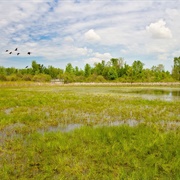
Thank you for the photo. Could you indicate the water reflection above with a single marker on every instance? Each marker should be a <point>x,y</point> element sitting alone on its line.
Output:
<point>159,92</point>
<point>168,95</point>
<point>163,94</point>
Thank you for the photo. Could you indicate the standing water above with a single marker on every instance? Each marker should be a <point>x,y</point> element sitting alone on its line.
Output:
<point>152,93</point>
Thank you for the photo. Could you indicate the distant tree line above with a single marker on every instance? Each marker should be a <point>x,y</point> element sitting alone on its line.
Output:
<point>116,69</point>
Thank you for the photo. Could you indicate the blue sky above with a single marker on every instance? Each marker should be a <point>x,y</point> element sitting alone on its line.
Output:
<point>58,32</point>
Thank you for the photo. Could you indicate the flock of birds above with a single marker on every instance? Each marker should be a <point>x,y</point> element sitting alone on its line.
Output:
<point>10,52</point>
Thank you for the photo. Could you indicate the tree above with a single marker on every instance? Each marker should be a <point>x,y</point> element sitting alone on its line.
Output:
<point>87,70</point>
<point>112,74</point>
<point>137,68</point>
<point>35,67</point>
<point>11,70</point>
<point>76,71</point>
<point>176,69</point>
<point>53,72</point>
<point>147,75</point>
<point>2,70</point>
<point>69,69</point>
<point>121,70</point>
<point>114,62</point>
<point>158,72</point>
<point>130,73</point>
<point>160,68</point>
<point>99,67</point>
<point>117,63</point>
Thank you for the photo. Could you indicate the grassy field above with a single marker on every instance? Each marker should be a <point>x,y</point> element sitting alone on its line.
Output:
<point>87,132</point>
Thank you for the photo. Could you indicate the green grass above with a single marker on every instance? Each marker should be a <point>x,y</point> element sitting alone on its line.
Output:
<point>33,144</point>
<point>120,152</point>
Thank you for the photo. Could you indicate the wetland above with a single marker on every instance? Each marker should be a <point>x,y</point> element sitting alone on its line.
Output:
<point>89,132</point>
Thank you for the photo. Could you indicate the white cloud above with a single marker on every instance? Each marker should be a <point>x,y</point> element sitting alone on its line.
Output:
<point>98,57</point>
<point>64,31</point>
<point>104,56</point>
<point>68,39</point>
<point>163,56</point>
<point>91,35</point>
<point>54,53</point>
<point>158,30</point>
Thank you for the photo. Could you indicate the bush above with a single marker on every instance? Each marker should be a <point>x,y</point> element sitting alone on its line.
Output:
<point>3,77</point>
<point>41,78</point>
<point>100,79</point>
<point>68,78</point>
<point>27,77</point>
<point>12,77</point>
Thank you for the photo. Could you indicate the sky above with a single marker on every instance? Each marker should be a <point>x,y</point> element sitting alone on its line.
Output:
<point>58,32</point>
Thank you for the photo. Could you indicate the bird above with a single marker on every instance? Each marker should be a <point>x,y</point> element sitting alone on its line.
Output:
<point>6,50</point>
<point>26,66</point>
<point>16,49</point>
<point>18,54</point>
<point>29,53</point>
<point>10,53</point>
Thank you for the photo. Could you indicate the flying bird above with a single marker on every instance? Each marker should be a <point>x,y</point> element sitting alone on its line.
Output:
<point>10,53</point>
<point>29,53</point>
<point>6,50</point>
<point>16,49</point>
<point>18,54</point>
<point>26,66</point>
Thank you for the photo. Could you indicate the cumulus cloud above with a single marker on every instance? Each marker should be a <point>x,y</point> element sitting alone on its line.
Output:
<point>68,39</point>
<point>158,30</point>
<point>91,35</point>
<point>98,57</point>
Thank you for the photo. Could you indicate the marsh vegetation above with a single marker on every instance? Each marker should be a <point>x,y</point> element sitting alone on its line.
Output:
<point>89,132</point>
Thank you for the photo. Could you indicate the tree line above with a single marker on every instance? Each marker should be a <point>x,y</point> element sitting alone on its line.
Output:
<point>116,69</point>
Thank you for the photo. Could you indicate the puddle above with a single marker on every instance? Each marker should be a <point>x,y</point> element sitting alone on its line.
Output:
<point>9,110</point>
<point>61,128</point>
<point>163,94</point>
<point>9,132</point>
<point>169,124</point>
<point>130,122</point>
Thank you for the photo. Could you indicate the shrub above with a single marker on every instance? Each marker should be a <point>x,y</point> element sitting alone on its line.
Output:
<point>12,77</point>
<point>27,77</point>
<point>3,77</point>
<point>41,78</point>
<point>100,79</point>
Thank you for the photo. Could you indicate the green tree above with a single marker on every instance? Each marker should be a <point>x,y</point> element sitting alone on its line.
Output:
<point>87,70</point>
<point>11,70</point>
<point>69,69</point>
<point>2,73</point>
<point>117,62</point>
<point>99,67</point>
<point>114,62</point>
<point>78,72</point>
<point>2,70</point>
<point>176,69</point>
<point>35,67</point>
<point>130,74</point>
<point>158,72</point>
<point>112,73</point>
<point>137,68</point>
<point>53,72</point>
<point>147,75</point>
